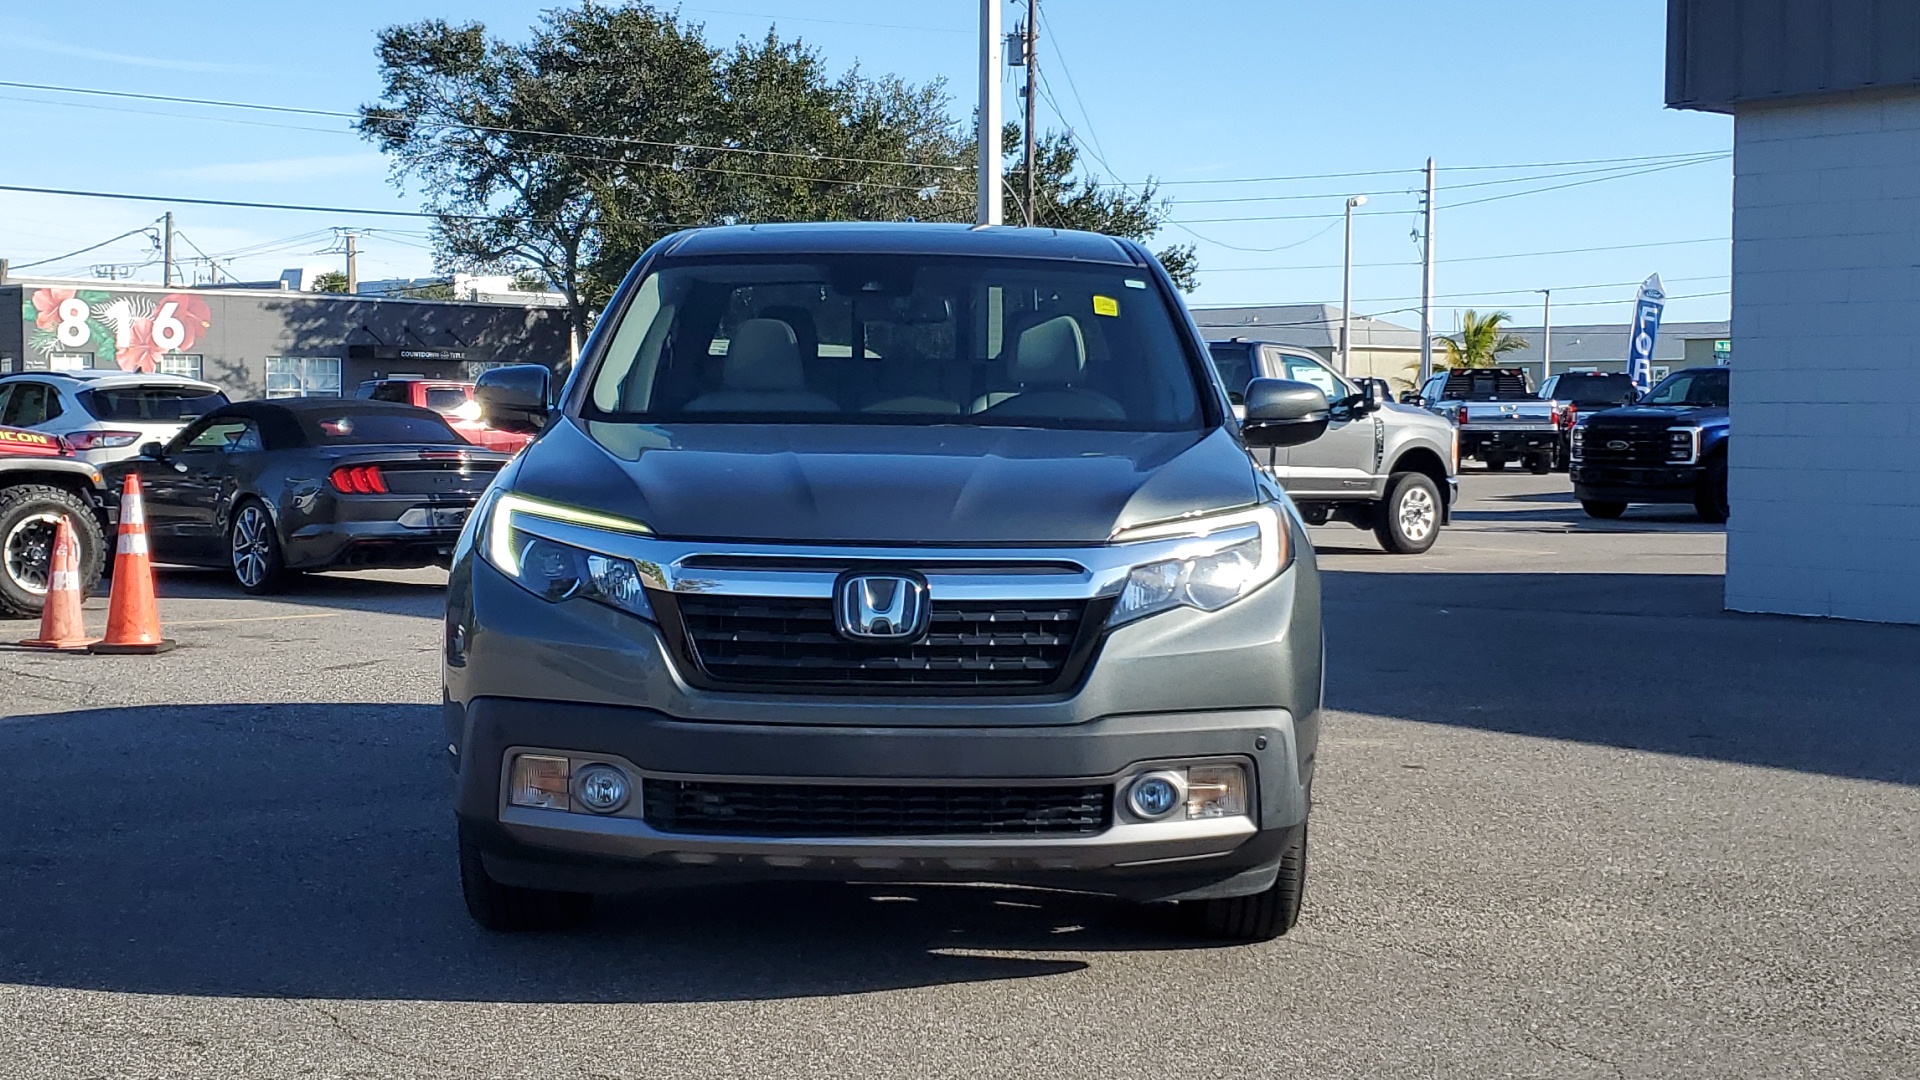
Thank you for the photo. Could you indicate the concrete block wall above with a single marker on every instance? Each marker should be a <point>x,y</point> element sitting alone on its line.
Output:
<point>1824,464</point>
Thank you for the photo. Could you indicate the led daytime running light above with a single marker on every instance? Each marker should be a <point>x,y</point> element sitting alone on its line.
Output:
<point>500,524</point>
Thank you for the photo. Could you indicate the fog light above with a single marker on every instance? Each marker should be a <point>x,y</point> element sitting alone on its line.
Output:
<point>538,781</point>
<point>601,788</point>
<point>1215,791</point>
<point>1157,794</point>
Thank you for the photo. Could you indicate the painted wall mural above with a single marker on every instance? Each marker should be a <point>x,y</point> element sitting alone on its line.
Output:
<point>131,332</point>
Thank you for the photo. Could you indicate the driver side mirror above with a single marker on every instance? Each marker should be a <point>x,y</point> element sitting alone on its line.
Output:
<point>1374,393</point>
<point>1281,412</point>
<point>153,451</point>
<point>514,398</point>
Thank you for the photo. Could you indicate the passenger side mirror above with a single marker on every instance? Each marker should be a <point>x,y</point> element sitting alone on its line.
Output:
<point>153,451</point>
<point>1374,393</point>
<point>514,398</point>
<point>1281,412</point>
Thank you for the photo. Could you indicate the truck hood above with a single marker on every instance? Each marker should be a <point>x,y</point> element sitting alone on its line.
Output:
<point>928,484</point>
<point>1637,415</point>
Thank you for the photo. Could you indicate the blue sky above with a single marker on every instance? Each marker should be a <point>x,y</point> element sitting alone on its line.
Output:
<point>1204,95</point>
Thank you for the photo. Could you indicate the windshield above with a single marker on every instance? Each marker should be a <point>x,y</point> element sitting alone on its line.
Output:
<point>1594,389</point>
<point>859,339</point>
<point>1697,386</point>
<point>151,404</point>
<point>1234,363</point>
<point>349,426</point>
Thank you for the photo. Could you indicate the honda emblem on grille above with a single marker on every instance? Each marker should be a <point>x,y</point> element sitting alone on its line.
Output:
<point>1617,444</point>
<point>881,607</point>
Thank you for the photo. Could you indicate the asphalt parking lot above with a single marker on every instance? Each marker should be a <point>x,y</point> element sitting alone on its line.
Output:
<point>1572,820</point>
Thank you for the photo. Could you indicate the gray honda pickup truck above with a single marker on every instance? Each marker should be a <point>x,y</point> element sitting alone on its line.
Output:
<point>888,552</point>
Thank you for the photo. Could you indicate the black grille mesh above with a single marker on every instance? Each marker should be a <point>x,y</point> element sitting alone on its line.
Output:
<point>1644,446</point>
<point>818,810</point>
<point>768,641</point>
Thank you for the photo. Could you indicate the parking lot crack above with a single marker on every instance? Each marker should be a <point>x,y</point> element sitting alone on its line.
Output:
<point>362,1041</point>
<point>1574,1051</point>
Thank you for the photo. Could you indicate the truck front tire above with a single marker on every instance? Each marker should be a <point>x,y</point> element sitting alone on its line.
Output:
<point>1407,521</point>
<point>1264,915</point>
<point>1710,501</point>
<point>1603,510</point>
<point>510,909</point>
<point>27,514</point>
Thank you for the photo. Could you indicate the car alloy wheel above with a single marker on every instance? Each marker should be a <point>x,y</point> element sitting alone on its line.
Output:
<point>1417,513</point>
<point>28,551</point>
<point>252,546</point>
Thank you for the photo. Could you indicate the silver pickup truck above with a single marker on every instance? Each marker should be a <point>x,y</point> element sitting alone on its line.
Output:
<point>1383,466</point>
<point>1498,415</point>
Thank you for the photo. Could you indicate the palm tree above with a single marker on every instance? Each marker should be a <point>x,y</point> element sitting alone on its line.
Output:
<point>1480,342</point>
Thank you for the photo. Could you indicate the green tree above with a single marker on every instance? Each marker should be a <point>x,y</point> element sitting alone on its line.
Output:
<point>1481,342</point>
<point>333,281</point>
<point>613,125</point>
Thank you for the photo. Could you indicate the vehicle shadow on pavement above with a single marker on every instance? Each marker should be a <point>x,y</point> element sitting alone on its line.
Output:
<point>1640,661</point>
<point>308,851</point>
<point>384,593</point>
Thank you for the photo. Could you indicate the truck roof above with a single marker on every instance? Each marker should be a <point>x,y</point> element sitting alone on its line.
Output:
<point>902,238</point>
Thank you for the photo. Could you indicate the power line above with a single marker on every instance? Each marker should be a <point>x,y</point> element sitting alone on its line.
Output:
<point>499,130</point>
<point>1330,321</point>
<point>327,209</point>
<point>1582,183</point>
<point>147,229</point>
<point>1415,172</point>
<point>1478,258</point>
<point>1410,191</point>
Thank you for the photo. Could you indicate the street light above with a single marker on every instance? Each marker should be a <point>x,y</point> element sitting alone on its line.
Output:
<point>1346,288</point>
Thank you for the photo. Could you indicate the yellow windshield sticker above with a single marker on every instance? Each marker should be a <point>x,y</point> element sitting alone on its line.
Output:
<point>1106,305</point>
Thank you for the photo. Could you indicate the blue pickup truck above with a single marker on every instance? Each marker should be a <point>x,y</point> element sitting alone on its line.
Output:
<point>1669,448</point>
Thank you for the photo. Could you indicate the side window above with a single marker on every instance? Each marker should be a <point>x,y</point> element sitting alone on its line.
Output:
<point>28,405</point>
<point>229,434</point>
<point>1303,370</point>
<point>6,395</point>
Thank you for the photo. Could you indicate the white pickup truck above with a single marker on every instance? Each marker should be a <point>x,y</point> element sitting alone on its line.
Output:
<point>1499,416</point>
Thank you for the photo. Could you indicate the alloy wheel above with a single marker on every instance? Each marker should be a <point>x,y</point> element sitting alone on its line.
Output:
<point>28,551</point>
<point>1417,514</point>
<point>252,546</point>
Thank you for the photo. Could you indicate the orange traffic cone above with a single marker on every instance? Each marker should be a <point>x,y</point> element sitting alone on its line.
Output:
<point>61,625</point>
<point>133,615</point>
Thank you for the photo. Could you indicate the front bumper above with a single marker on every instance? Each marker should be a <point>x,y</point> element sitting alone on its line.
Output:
<point>1139,860</point>
<point>1635,483</point>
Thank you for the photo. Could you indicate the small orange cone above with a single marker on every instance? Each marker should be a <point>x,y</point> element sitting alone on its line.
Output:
<point>61,625</point>
<point>133,615</point>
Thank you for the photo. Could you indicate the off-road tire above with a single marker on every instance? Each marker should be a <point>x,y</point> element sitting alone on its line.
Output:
<point>1540,464</point>
<point>1710,501</point>
<point>509,909</point>
<point>1605,511</point>
<point>1494,464</point>
<point>1264,915</point>
<point>1412,498</point>
<point>23,502</point>
<point>267,575</point>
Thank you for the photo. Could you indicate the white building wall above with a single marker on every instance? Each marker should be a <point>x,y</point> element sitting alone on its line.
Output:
<point>1825,457</point>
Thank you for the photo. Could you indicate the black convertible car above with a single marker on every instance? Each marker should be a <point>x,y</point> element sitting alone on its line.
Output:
<point>268,488</point>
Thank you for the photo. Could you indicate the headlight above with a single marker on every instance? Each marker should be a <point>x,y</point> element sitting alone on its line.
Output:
<point>1683,445</point>
<point>1232,555</point>
<point>557,571</point>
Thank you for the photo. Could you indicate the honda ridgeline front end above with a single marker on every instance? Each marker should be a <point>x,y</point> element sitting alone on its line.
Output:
<point>888,552</point>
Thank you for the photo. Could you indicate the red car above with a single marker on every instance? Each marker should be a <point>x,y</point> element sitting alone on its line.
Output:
<point>451,399</point>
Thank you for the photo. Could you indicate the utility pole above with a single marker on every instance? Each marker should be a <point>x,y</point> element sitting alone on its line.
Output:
<point>991,43</point>
<point>1032,56</point>
<point>1346,289</point>
<point>166,255</point>
<point>1546,334</point>
<point>1426,284</point>
<point>353,263</point>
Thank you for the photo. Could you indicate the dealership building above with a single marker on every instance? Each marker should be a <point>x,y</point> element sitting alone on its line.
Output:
<point>1824,464</point>
<point>267,342</point>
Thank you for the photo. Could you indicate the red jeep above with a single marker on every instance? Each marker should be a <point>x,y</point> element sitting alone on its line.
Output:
<point>451,399</point>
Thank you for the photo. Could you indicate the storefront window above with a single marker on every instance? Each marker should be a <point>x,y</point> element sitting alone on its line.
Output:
<point>303,376</point>
<point>69,361</point>
<point>187,364</point>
